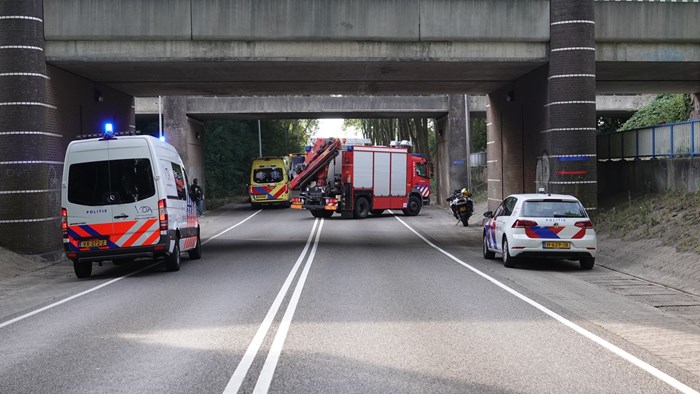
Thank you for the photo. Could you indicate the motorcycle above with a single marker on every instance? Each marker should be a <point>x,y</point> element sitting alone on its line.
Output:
<point>461,205</point>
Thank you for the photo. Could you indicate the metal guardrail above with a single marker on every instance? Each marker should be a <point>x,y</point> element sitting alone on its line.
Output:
<point>662,141</point>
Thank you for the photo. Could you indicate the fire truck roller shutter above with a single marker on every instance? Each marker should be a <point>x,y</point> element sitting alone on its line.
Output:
<point>398,179</point>
<point>382,174</point>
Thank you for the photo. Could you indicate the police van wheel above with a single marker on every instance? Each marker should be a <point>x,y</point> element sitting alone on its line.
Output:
<point>82,269</point>
<point>196,253</point>
<point>172,262</point>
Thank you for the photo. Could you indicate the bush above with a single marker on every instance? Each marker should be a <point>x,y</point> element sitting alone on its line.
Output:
<point>666,108</point>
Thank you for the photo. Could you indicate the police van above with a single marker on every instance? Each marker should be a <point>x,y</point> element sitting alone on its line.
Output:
<point>125,197</point>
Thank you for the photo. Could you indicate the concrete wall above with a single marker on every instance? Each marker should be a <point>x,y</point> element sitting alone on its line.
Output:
<point>452,161</point>
<point>195,151</point>
<point>385,20</point>
<point>645,176</point>
<point>515,118</point>
<point>650,21</point>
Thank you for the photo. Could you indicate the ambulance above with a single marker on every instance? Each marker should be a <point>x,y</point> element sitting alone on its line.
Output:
<point>269,181</point>
<point>125,197</point>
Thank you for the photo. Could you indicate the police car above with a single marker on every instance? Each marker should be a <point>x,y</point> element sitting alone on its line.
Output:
<point>540,226</point>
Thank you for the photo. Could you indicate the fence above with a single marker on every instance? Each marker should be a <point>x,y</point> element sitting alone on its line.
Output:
<point>662,141</point>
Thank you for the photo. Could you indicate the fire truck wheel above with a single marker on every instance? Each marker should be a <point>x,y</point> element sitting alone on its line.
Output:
<point>321,213</point>
<point>414,206</point>
<point>361,208</point>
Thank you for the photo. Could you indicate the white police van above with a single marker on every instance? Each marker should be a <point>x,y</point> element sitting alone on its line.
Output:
<point>124,197</point>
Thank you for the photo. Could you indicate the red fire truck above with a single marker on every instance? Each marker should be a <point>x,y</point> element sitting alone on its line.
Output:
<point>361,180</point>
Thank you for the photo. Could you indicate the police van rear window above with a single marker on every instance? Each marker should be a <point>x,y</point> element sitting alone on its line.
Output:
<point>110,182</point>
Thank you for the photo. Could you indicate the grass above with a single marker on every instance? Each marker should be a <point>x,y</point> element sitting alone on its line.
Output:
<point>673,218</point>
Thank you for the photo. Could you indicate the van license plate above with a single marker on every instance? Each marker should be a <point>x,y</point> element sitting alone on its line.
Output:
<point>261,197</point>
<point>557,245</point>
<point>93,243</point>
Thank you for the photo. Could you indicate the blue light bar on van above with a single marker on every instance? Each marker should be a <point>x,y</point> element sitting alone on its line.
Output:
<point>105,136</point>
<point>308,148</point>
<point>162,138</point>
<point>109,130</point>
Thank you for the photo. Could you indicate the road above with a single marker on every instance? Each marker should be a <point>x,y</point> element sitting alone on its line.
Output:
<point>282,302</point>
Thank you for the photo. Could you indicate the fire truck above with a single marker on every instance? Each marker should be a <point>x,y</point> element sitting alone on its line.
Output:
<point>358,180</point>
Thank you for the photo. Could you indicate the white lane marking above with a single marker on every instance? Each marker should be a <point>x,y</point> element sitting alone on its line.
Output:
<point>600,341</point>
<point>47,307</point>
<point>15,320</point>
<point>265,378</point>
<point>232,227</point>
<point>244,365</point>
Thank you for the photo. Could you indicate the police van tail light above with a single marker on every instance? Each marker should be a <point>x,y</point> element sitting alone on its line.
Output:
<point>64,224</point>
<point>584,224</point>
<point>162,216</point>
<point>524,223</point>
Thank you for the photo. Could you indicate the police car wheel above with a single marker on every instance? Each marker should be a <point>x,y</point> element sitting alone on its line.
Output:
<point>587,263</point>
<point>82,269</point>
<point>172,262</point>
<point>488,255</point>
<point>508,261</point>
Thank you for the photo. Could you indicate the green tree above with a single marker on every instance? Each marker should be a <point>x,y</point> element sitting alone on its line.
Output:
<point>230,146</point>
<point>666,108</point>
<point>383,131</point>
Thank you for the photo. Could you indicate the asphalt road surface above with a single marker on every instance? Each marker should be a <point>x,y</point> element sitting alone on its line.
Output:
<point>286,303</point>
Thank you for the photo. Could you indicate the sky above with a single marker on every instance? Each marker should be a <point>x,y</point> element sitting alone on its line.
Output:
<point>334,128</point>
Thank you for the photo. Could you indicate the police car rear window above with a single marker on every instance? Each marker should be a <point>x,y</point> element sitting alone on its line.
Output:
<point>110,182</point>
<point>553,209</point>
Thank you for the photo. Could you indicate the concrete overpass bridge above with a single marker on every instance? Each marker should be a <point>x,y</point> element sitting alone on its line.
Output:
<point>67,65</point>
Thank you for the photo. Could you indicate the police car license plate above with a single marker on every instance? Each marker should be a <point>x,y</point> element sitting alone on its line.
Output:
<point>556,245</point>
<point>93,243</point>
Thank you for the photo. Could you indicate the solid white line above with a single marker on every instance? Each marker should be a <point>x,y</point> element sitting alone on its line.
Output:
<point>232,227</point>
<point>16,319</point>
<point>7,323</point>
<point>600,341</point>
<point>244,365</point>
<point>265,378</point>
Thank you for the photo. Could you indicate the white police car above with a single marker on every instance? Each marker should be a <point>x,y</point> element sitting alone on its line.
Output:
<point>542,226</point>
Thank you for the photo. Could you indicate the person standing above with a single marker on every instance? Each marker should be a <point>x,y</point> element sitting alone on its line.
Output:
<point>197,196</point>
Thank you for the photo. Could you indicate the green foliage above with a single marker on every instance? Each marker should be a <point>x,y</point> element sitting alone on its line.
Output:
<point>478,134</point>
<point>608,124</point>
<point>230,146</point>
<point>666,108</point>
<point>383,131</point>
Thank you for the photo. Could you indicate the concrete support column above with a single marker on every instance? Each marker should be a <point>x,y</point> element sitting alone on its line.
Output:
<point>32,158</point>
<point>452,162</point>
<point>175,125</point>
<point>515,118</point>
<point>195,151</point>
<point>568,164</point>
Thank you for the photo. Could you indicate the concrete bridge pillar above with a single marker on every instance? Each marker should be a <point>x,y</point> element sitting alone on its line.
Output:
<point>186,134</point>
<point>541,128</point>
<point>31,151</point>
<point>452,161</point>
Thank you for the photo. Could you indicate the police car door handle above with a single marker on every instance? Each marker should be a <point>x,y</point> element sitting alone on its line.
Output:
<point>122,216</point>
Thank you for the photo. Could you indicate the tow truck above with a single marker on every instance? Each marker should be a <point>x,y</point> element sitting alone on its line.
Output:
<point>358,180</point>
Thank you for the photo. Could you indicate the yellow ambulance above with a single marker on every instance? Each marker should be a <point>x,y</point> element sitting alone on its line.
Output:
<point>269,181</point>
